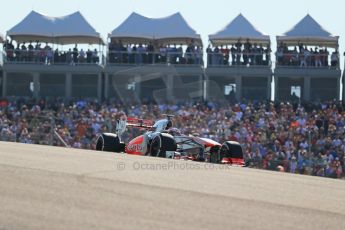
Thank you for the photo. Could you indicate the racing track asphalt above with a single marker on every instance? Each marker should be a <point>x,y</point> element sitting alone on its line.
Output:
<point>45,187</point>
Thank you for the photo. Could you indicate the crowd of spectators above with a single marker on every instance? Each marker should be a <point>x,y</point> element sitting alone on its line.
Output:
<point>35,53</point>
<point>151,53</point>
<point>304,56</point>
<point>296,138</point>
<point>239,54</point>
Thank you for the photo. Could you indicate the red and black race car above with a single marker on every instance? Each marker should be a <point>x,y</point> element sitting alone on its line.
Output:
<point>163,140</point>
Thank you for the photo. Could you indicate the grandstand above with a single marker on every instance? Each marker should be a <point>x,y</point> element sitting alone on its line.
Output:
<point>247,73</point>
<point>146,60</point>
<point>162,59</point>
<point>314,77</point>
<point>51,71</point>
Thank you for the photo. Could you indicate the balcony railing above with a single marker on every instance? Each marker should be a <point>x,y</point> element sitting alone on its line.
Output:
<point>49,57</point>
<point>297,60</point>
<point>238,59</point>
<point>152,58</point>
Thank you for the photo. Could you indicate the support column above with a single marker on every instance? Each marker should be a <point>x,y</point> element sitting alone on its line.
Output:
<point>137,80</point>
<point>4,83</point>
<point>276,85</point>
<point>106,86</point>
<point>68,85</point>
<point>238,82</point>
<point>36,81</point>
<point>201,86</point>
<point>338,89</point>
<point>343,81</point>
<point>269,88</point>
<point>307,88</point>
<point>206,87</point>
<point>99,87</point>
<point>169,87</point>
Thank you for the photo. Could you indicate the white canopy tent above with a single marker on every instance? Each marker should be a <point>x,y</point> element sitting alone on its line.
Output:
<point>168,30</point>
<point>239,29</point>
<point>308,32</point>
<point>69,29</point>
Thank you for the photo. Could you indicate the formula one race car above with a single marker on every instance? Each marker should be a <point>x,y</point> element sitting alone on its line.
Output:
<point>162,140</point>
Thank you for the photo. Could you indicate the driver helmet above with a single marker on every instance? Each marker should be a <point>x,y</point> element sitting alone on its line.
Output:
<point>121,116</point>
<point>169,124</point>
<point>174,132</point>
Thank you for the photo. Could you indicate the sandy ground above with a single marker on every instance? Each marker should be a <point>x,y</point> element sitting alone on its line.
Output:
<point>45,187</point>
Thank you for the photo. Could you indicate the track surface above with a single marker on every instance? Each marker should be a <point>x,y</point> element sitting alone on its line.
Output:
<point>57,188</point>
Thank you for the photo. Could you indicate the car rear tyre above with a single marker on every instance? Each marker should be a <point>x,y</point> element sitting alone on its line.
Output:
<point>214,154</point>
<point>109,142</point>
<point>162,143</point>
<point>231,149</point>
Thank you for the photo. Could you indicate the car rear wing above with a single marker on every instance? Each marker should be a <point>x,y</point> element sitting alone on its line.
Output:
<point>139,123</point>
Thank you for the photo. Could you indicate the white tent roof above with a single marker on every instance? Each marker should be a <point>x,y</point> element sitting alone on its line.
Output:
<point>308,32</point>
<point>172,29</point>
<point>239,28</point>
<point>68,29</point>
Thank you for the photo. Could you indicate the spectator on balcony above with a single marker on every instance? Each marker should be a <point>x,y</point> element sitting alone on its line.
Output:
<point>121,50</point>
<point>42,55</point>
<point>133,54</point>
<point>95,57</point>
<point>57,58</point>
<point>253,55</point>
<point>198,56</point>
<point>238,46</point>
<point>136,54</point>
<point>233,55</point>
<point>9,47</point>
<point>209,54</point>
<point>169,54</point>
<point>246,54</point>
<point>23,53</point>
<point>140,54</point>
<point>174,55</point>
<point>81,56</point>
<point>180,54</point>
<point>30,52</point>
<point>88,56</point>
<point>311,57</point>
<point>4,46</point>
<point>49,53</point>
<point>150,50</point>
<point>223,51</point>
<point>326,54</point>
<point>280,54</point>
<point>317,58</point>
<point>69,56</point>
<point>259,55</point>
<point>75,54</point>
<point>127,57</point>
<point>112,51</point>
<point>303,58</point>
<point>238,54</point>
<point>294,57</point>
<point>247,44</point>
<point>17,53</point>
<point>334,58</point>
<point>163,53</point>
<point>267,55</point>
<point>215,56</point>
<point>36,51</point>
<point>189,53</point>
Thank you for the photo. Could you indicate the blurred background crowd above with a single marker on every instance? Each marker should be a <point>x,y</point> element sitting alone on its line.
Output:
<point>296,138</point>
